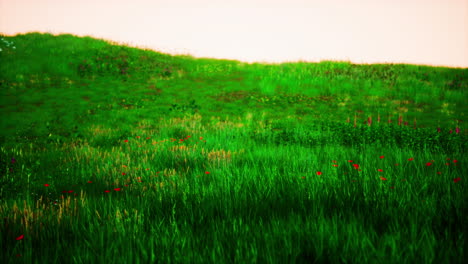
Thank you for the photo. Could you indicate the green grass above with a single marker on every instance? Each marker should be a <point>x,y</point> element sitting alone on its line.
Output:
<point>113,154</point>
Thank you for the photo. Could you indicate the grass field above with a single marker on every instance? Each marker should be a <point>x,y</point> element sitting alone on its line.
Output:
<point>114,154</point>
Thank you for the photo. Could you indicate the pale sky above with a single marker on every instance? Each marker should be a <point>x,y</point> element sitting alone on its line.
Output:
<point>426,32</point>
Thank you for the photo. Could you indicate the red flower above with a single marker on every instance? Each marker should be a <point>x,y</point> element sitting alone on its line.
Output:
<point>106,191</point>
<point>381,157</point>
<point>207,172</point>
<point>383,179</point>
<point>46,185</point>
<point>350,161</point>
<point>20,237</point>
<point>456,180</point>
<point>410,159</point>
<point>380,170</point>
<point>319,173</point>
<point>126,140</point>
<point>356,166</point>
<point>428,164</point>
<point>117,189</point>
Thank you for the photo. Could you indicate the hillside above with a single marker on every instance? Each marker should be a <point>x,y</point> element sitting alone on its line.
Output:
<point>113,154</point>
<point>50,84</point>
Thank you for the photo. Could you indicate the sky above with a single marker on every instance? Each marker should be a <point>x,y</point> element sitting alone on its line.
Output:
<point>423,32</point>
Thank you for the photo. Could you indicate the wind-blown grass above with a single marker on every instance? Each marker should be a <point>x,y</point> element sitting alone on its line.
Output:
<point>119,155</point>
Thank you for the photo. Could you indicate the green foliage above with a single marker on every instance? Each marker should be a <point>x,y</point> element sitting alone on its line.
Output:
<point>267,165</point>
<point>108,62</point>
<point>190,107</point>
<point>459,82</point>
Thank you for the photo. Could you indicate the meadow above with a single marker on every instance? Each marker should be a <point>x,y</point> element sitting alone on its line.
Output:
<point>117,154</point>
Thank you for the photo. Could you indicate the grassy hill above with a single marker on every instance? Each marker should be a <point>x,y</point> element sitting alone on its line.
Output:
<point>67,81</point>
<point>292,161</point>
